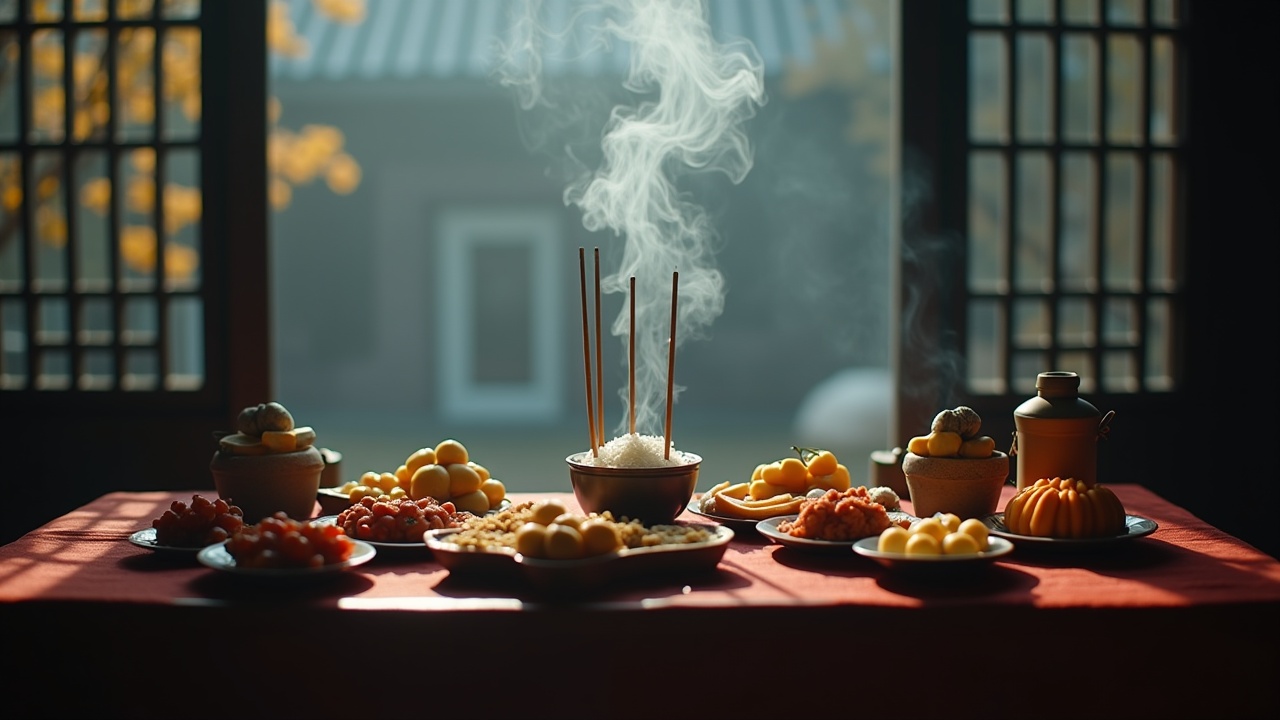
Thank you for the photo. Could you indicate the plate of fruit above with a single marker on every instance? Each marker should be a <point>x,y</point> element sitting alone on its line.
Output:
<point>1067,514</point>
<point>443,472</point>
<point>778,489</point>
<point>396,525</point>
<point>279,547</point>
<point>187,528</point>
<point>939,543</point>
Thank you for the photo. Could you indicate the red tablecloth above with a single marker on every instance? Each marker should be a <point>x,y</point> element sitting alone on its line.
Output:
<point>1188,604</point>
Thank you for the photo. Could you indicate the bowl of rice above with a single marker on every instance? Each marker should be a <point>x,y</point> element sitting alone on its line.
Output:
<point>632,477</point>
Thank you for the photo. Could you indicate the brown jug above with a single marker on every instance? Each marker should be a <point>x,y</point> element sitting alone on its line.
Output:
<point>1056,433</point>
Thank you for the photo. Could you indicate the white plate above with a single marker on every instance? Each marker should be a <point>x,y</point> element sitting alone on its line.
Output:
<point>741,524</point>
<point>385,547</point>
<point>997,547</point>
<point>769,529</point>
<point>333,501</point>
<point>146,538</point>
<point>1134,527</point>
<point>217,557</point>
<point>681,560</point>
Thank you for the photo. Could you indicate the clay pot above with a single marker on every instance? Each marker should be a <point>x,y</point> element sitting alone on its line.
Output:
<point>262,485</point>
<point>967,487</point>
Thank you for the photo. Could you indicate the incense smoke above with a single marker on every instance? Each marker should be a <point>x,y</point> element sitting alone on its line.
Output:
<point>687,99</point>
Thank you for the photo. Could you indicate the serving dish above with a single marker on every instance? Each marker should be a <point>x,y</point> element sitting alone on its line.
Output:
<point>660,561</point>
<point>415,547</point>
<point>769,529</point>
<point>146,538</point>
<point>334,501</point>
<point>739,524</point>
<point>898,517</point>
<point>217,557</point>
<point>901,562</point>
<point>1135,527</point>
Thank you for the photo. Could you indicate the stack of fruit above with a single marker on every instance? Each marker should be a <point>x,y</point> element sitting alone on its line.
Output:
<point>778,487</point>
<point>266,428</point>
<point>441,473</point>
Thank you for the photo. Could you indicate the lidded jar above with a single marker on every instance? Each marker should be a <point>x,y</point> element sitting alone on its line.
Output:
<point>1056,433</point>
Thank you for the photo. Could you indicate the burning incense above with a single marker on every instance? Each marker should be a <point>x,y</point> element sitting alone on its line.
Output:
<point>671,366</point>
<point>631,363</point>
<point>586,349</point>
<point>599,362</point>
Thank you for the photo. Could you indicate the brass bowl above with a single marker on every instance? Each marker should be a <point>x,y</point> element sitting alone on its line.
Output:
<point>652,495</point>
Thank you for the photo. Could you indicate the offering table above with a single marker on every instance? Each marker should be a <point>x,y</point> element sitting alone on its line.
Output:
<point>1177,624</point>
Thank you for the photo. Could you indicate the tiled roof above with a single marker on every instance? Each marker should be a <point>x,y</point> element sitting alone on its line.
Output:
<point>407,39</point>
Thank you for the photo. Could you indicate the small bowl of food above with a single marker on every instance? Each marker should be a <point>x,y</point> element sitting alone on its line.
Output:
<point>964,487</point>
<point>954,468</point>
<point>631,477</point>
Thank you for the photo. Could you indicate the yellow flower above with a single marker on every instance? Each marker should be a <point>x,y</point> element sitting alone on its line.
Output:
<point>180,262</point>
<point>47,187</point>
<point>95,194</point>
<point>343,175</point>
<point>346,11</point>
<point>138,247</point>
<point>11,198</point>
<point>323,140</point>
<point>282,36</point>
<point>280,193</point>
<point>143,160</point>
<point>140,194</point>
<point>182,206</point>
<point>51,226</point>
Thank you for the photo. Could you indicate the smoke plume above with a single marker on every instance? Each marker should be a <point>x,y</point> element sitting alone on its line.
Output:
<point>687,98</point>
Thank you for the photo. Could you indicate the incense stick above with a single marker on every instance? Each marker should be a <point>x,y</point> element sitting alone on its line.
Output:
<point>599,362</point>
<point>631,363</point>
<point>586,348</point>
<point>671,366</point>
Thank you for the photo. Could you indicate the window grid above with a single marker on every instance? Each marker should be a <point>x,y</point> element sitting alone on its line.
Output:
<point>113,355</point>
<point>1119,362</point>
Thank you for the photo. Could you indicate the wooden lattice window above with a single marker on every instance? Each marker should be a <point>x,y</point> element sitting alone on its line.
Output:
<point>1074,165</point>
<point>102,264</point>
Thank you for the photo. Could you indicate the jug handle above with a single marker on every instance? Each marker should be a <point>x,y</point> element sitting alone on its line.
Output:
<point>1104,427</point>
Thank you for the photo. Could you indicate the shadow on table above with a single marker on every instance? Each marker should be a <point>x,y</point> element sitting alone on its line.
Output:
<point>949,582</point>
<point>657,586</point>
<point>272,589</point>
<point>982,582</point>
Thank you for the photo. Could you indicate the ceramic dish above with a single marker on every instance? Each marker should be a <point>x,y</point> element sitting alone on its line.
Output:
<point>739,524</point>
<point>413,547</point>
<point>769,529</point>
<point>147,539</point>
<point>900,562</point>
<point>333,501</point>
<point>898,517</point>
<point>217,557</point>
<point>1135,527</point>
<point>680,561</point>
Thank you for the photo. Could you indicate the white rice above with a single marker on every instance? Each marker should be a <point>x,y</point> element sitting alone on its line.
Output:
<point>634,451</point>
